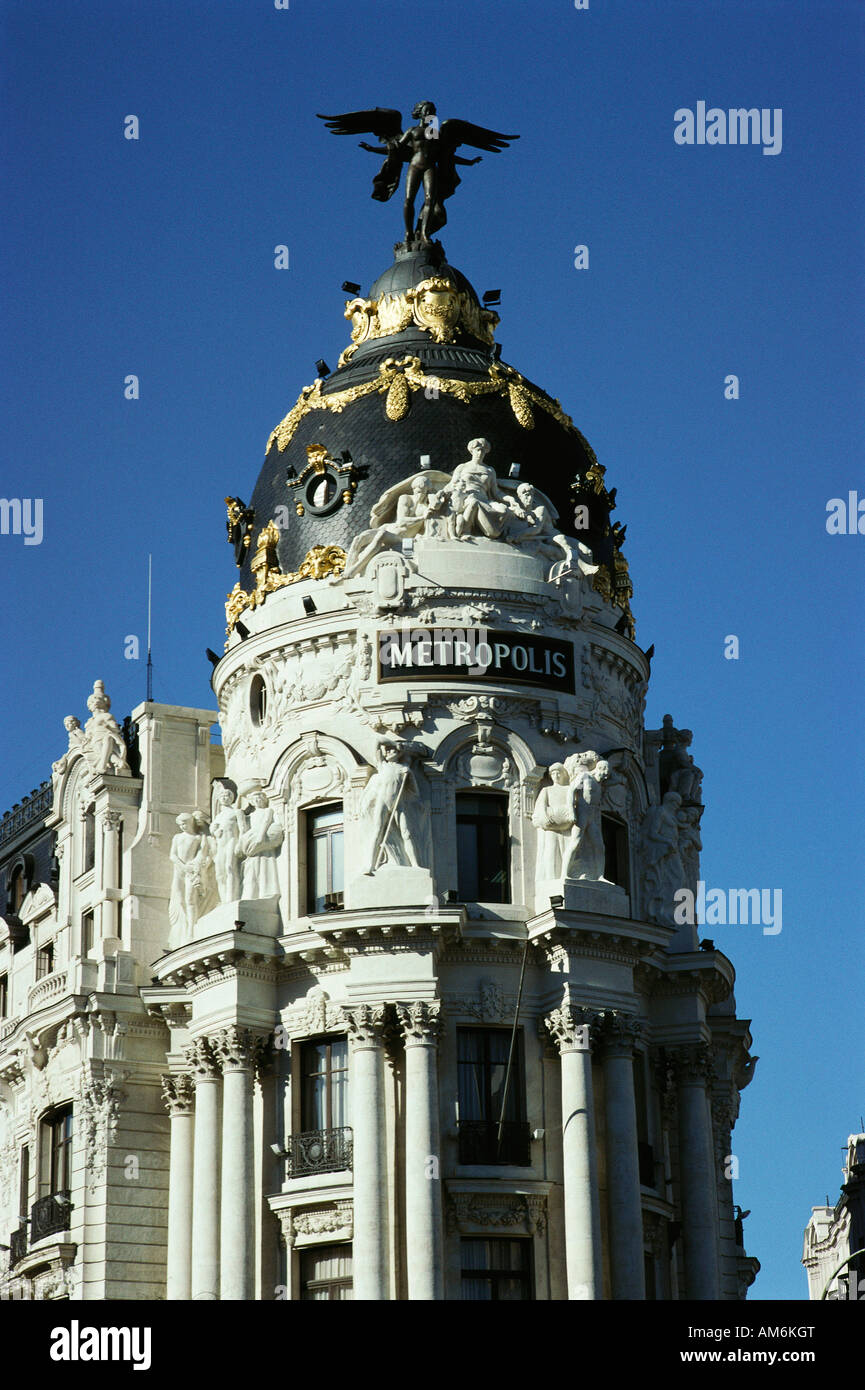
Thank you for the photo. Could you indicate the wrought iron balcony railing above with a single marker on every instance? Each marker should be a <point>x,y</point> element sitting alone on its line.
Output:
<point>479,1142</point>
<point>319,1151</point>
<point>17,1246</point>
<point>49,1215</point>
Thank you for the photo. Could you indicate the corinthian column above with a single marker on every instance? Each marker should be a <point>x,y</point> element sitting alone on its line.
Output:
<point>423,1203</point>
<point>205,1178</point>
<point>623,1166</point>
<point>693,1069</point>
<point>234,1049</point>
<point>366,1026</point>
<point>178,1092</point>
<point>570,1029</point>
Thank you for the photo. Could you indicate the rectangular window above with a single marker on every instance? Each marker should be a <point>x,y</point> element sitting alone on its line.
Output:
<point>325,1273</point>
<point>483,848</point>
<point>324,858</point>
<point>482,1058</point>
<point>87,933</point>
<point>45,960</point>
<point>4,996</point>
<point>24,1182</point>
<point>616,865</point>
<point>57,1139</point>
<point>324,1098</point>
<point>495,1270</point>
<point>89,847</point>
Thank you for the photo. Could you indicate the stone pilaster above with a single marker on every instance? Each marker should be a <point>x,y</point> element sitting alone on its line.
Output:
<point>205,1178</point>
<point>619,1035</point>
<point>693,1072</point>
<point>366,1025</point>
<point>571,1030</point>
<point>178,1092</point>
<point>235,1050</point>
<point>420,1024</point>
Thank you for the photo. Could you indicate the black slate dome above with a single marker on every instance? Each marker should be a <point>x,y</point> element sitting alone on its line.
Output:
<point>421,378</point>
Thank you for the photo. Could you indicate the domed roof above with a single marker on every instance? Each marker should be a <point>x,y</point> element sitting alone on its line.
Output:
<point>421,377</point>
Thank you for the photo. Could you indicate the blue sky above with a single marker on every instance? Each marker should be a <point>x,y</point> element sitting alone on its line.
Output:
<point>155,257</point>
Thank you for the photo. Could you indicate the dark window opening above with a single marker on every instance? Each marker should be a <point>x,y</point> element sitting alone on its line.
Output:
<point>4,996</point>
<point>483,847</point>
<point>87,933</point>
<point>89,839</point>
<point>324,858</point>
<point>496,1270</point>
<point>482,1058</point>
<point>616,865</point>
<point>45,960</point>
<point>258,700</point>
<point>57,1151</point>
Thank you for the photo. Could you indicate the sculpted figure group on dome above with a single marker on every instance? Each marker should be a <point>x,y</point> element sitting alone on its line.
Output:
<point>469,503</point>
<point>232,856</point>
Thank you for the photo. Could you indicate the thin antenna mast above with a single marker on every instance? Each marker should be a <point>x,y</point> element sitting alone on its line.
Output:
<point>149,658</point>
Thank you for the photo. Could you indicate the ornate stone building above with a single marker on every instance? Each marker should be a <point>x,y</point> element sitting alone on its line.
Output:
<point>835,1234</point>
<point>391,995</point>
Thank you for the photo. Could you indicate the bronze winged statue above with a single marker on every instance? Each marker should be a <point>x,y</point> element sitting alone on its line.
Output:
<point>430,150</point>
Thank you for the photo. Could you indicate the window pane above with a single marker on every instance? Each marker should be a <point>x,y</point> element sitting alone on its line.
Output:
<point>331,816</point>
<point>318,886</point>
<point>467,862</point>
<point>337,880</point>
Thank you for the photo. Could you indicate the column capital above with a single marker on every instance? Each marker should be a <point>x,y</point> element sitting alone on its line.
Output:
<point>201,1061</point>
<point>236,1049</point>
<point>367,1024</point>
<point>692,1064</point>
<point>178,1093</point>
<point>572,1028</point>
<point>420,1021</point>
<point>619,1034</point>
<point>111,820</point>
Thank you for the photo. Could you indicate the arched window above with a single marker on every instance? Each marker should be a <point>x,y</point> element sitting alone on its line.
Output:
<point>258,701</point>
<point>17,891</point>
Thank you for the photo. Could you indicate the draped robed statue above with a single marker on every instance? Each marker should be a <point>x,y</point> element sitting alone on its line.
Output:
<point>430,150</point>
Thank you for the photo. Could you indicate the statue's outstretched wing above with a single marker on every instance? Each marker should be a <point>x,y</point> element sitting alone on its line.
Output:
<point>386,125</point>
<point>382,122</point>
<point>454,133</point>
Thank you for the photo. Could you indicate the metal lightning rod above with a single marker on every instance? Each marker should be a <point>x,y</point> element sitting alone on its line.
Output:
<point>149,658</point>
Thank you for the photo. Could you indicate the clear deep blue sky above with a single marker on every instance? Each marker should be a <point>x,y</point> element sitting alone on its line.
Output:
<point>155,257</point>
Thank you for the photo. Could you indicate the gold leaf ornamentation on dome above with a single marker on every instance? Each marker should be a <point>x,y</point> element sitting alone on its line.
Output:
<point>500,380</point>
<point>521,406</point>
<point>318,563</point>
<point>397,403</point>
<point>435,305</point>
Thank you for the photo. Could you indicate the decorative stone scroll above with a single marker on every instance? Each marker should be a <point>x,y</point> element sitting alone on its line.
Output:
<point>517,1213</point>
<point>309,1225</point>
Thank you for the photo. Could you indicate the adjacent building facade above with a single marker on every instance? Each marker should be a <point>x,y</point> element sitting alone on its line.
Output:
<point>834,1234</point>
<point>391,994</point>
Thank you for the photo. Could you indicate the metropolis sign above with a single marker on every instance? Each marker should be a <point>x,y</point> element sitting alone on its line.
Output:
<point>443,653</point>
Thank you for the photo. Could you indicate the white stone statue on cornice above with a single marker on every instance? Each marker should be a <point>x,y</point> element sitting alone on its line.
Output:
<point>477,505</point>
<point>187,902</point>
<point>384,810</point>
<point>554,818</point>
<point>260,846</point>
<point>105,750</point>
<point>226,829</point>
<point>585,857</point>
<point>77,744</point>
<point>665,872</point>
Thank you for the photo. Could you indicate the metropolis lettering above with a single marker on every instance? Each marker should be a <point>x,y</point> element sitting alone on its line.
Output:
<point>477,653</point>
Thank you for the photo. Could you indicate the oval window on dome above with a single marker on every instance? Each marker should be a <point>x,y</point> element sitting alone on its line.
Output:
<point>323,493</point>
<point>258,701</point>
